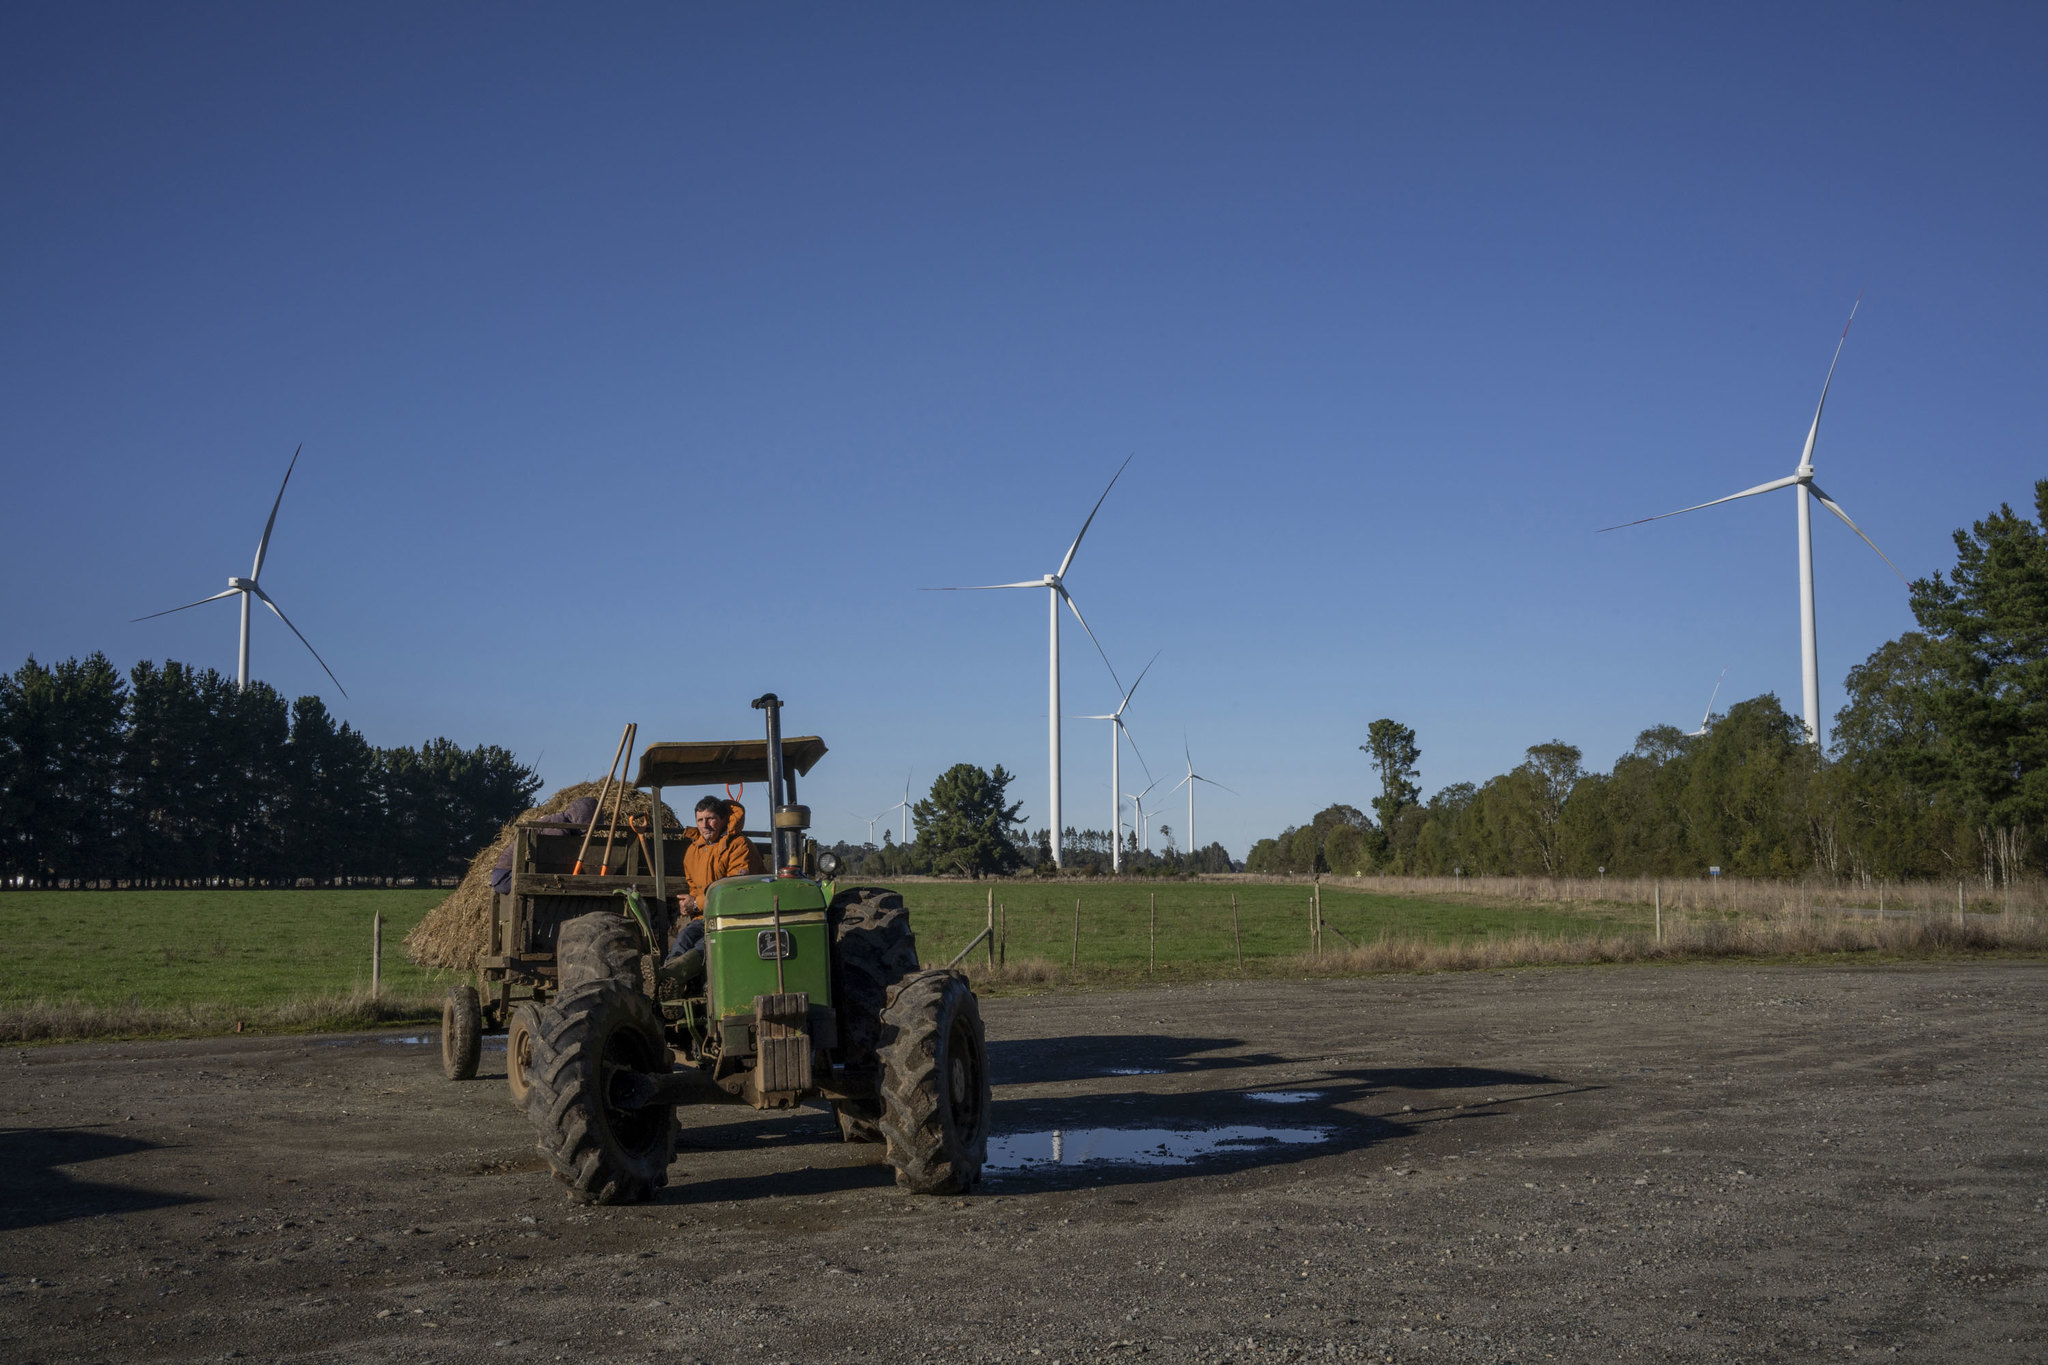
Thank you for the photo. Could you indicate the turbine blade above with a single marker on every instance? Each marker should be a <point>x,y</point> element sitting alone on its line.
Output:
<point>1068,598</point>
<point>1770,487</point>
<point>1134,747</point>
<point>264,597</point>
<point>1134,686</point>
<point>989,587</point>
<point>1813,432</point>
<point>263,545</point>
<point>1091,515</point>
<point>1833,506</point>
<point>187,607</point>
<point>1212,782</point>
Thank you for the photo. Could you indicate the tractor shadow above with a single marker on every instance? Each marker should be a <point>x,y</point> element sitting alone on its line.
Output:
<point>1129,1131</point>
<point>38,1190</point>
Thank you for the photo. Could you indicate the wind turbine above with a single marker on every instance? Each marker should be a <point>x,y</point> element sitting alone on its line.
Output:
<point>872,821</point>
<point>249,588</point>
<point>1139,802</point>
<point>1189,782</point>
<point>1117,729</point>
<point>1801,479</point>
<point>1056,586</point>
<point>1708,718</point>
<point>903,836</point>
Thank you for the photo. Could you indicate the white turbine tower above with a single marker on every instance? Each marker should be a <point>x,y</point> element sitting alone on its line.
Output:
<point>1189,782</point>
<point>1119,733</point>
<point>249,588</point>
<point>1801,479</point>
<point>872,821</point>
<point>1708,718</point>
<point>1056,586</point>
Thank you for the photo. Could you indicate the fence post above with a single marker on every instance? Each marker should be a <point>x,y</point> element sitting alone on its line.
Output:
<point>377,955</point>
<point>1959,905</point>
<point>991,926</point>
<point>1152,936</point>
<point>1657,896</point>
<point>1003,942</point>
<point>1074,959</point>
<point>1236,937</point>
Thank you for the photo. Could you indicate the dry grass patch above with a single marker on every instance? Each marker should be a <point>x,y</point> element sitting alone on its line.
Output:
<point>60,1021</point>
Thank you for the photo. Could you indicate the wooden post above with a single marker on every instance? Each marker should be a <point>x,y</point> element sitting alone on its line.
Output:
<point>377,955</point>
<point>1003,943</point>
<point>1657,895</point>
<point>1959,905</point>
<point>1152,936</point>
<point>991,926</point>
<point>1236,936</point>
<point>1074,959</point>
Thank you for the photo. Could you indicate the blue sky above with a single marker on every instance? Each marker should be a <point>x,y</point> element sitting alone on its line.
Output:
<point>649,358</point>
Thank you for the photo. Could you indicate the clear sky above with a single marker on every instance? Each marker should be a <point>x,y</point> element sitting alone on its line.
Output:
<point>648,358</point>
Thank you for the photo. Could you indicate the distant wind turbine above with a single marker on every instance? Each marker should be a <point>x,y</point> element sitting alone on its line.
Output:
<point>872,820</point>
<point>1707,719</point>
<point>903,836</point>
<point>1189,782</point>
<point>1138,801</point>
<point>1056,585</point>
<point>1801,479</point>
<point>1119,734</point>
<point>249,588</point>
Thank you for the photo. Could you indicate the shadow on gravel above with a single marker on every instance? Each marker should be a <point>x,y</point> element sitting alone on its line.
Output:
<point>1036,1061</point>
<point>36,1192</point>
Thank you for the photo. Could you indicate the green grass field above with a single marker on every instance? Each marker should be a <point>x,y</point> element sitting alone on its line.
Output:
<point>1194,924</point>
<point>152,950</point>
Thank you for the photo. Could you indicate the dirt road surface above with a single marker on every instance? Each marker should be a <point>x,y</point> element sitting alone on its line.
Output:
<point>1722,1163</point>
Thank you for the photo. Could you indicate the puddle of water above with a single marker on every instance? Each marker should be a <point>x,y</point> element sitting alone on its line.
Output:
<point>413,1041</point>
<point>1284,1096</point>
<point>1138,1146</point>
<point>1135,1071</point>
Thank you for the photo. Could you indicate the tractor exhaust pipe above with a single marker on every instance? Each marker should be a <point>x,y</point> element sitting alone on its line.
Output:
<point>786,819</point>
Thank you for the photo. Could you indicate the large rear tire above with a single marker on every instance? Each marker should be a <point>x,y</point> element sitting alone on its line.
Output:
<point>604,946</point>
<point>872,950</point>
<point>462,1033</point>
<point>935,1086</point>
<point>587,1037</point>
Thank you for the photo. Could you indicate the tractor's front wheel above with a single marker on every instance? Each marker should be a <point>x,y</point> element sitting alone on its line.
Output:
<point>462,1033</point>
<point>589,1042</point>
<point>935,1087</point>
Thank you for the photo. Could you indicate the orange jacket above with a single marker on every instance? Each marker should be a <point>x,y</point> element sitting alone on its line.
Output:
<point>732,856</point>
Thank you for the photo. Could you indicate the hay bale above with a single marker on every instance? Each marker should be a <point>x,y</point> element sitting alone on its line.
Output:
<point>455,933</point>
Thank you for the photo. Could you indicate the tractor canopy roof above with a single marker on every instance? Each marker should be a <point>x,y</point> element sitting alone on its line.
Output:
<point>703,763</point>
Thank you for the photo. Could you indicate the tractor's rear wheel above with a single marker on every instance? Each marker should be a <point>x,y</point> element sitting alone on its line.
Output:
<point>519,1051</point>
<point>872,950</point>
<point>859,1120</point>
<point>603,946</point>
<point>589,1039</point>
<point>462,1033</point>
<point>935,1087</point>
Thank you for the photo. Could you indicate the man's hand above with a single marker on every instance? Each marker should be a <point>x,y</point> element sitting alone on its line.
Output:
<point>686,905</point>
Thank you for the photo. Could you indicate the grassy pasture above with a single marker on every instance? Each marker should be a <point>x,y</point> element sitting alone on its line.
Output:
<point>1194,925</point>
<point>182,961</point>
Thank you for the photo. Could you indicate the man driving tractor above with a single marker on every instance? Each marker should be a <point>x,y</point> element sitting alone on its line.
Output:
<point>714,849</point>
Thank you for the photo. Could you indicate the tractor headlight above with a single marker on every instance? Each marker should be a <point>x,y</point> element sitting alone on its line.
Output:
<point>828,865</point>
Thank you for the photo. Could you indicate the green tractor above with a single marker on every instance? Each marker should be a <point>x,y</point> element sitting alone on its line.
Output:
<point>807,991</point>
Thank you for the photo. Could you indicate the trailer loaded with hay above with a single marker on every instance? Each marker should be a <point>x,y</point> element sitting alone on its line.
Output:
<point>803,991</point>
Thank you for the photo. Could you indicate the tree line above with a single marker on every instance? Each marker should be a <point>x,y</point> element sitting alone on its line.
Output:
<point>967,827</point>
<point>1938,766</point>
<point>172,776</point>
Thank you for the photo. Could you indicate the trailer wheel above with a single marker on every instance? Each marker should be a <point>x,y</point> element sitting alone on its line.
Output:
<point>586,1037</point>
<point>603,946</point>
<point>519,1051</point>
<point>462,1033</point>
<point>935,1087</point>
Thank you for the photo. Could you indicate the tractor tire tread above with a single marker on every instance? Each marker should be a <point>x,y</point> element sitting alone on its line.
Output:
<point>563,1100</point>
<point>930,1154</point>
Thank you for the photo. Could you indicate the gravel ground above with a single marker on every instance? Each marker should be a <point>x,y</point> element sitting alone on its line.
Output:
<point>1714,1163</point>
